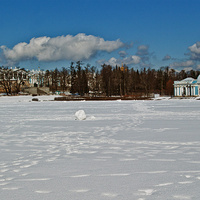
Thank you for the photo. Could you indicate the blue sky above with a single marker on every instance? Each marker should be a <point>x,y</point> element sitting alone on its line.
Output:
<point>139,33</point>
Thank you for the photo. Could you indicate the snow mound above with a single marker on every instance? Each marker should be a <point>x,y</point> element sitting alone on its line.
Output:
<point>91,118</point>
<point>80,115</point>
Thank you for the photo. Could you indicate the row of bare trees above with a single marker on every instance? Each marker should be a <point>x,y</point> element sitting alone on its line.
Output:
<point>120,81</point>
<point>109,81</point>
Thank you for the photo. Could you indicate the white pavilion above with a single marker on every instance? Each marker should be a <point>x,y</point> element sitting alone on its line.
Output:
<point>187,87</point>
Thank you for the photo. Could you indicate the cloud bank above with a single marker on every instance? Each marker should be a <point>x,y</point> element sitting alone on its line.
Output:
<point>187,63</point>
<point>130,60</point>
<point>195,51</point>
<point>74,48</point>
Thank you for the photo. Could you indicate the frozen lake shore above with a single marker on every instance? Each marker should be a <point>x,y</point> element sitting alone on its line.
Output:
<point>123,150</point>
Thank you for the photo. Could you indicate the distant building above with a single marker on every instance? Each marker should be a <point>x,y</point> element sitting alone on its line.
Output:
<point>15,80</point>
<point>187,87</point>
<point>15,74</point>
<point>37,83</point>
<point>36,78</point>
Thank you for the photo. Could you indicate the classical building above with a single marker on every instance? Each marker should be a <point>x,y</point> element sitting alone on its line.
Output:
<point>187,87</point>
<point>37,82</point>
<point>15,74</point>
<point>36,78</point>
<point>15,80</point>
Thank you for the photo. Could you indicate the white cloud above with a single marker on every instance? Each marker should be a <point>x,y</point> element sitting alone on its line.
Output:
<point>187,69</point>
<point>78,47</point>
<point>122,53</point>
<point>113,61</point>
<point>195,51</point>
<point>142,50</point>
<point>131,60</point>
<point>187,63</point>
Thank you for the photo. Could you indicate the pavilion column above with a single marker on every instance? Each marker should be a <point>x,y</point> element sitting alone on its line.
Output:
<point>186,91</point>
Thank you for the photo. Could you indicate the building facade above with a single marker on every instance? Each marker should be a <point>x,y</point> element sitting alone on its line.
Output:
<point>187,87</point>
<point>36,78</point>
<point>15,80</point>
<point>15,74</point>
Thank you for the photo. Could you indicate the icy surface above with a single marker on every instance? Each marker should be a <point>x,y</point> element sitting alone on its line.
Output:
<point>124,150</point>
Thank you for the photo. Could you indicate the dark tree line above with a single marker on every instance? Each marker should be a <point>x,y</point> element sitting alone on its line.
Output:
<point>110,81</point>
<point>118,81</point>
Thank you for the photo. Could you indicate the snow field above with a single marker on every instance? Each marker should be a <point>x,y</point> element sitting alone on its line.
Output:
<point>123,150</point>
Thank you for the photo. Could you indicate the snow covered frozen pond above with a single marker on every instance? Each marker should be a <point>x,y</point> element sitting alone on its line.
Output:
<point>124,150</point>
